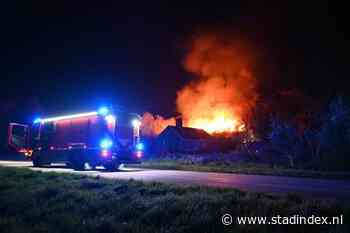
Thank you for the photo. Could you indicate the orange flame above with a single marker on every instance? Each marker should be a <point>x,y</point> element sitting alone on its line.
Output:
<point>223,92</point>
<point>225,88</point>
<point>218,124</point>
<point>154,125</point>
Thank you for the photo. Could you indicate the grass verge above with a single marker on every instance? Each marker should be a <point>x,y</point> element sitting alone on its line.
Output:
<point>51,202</point>
<point>240,168</point>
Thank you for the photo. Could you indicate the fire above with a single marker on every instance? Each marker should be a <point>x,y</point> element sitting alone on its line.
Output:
<point>220,123</point>
<point>153,125</point>
<point>225,89</point>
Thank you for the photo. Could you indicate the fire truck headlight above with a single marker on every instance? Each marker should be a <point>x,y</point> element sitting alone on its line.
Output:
<point>139,146</point>
<point>106,143</point>
<point>139,154</point>
<point>105,153</point>
<point>136,123</point>
<point>110,119</point>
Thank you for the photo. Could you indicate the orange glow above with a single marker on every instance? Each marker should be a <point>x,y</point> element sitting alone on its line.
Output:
<point>220,123</point>
<point>224,89</point>
<point>154,125</point>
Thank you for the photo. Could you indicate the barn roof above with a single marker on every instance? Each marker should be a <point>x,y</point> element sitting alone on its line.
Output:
<point>189,133</point>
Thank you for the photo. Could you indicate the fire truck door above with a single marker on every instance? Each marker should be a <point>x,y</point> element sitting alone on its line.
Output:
<point>18,136</point>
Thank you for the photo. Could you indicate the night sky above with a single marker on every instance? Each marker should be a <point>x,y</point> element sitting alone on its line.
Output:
<point>59,56</point>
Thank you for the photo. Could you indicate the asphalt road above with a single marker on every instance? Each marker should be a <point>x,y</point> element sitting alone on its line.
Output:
<point>318,188</point>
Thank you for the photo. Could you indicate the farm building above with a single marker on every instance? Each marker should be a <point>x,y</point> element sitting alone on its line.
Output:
<point>182,139</point>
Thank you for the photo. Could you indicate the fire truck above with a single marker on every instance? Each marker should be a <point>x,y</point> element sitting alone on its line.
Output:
<point>81,140</point>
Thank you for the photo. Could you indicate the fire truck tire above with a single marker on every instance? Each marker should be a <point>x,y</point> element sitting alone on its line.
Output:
<point>78,165</point>
<point>112,167</point>
<point>37,161</point>
<point>76,162</point>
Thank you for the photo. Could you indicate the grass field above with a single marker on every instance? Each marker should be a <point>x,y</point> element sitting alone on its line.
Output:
<point>51,202</point>
<point>241,168</point>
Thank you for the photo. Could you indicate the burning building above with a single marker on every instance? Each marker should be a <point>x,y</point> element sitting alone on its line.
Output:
<point>222,92</point>
<point>224,88</point>
<point>181,139</point>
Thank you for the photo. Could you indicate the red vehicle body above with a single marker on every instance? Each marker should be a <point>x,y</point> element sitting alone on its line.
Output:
<point>94,138</point>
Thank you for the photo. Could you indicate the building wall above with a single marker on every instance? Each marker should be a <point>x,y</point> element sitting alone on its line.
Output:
<point>170,142</point>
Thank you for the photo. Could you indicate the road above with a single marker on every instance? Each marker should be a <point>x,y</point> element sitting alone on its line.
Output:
<point>333,189</point>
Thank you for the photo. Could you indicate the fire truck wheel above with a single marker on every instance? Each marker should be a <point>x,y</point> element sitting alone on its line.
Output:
<point>77,163</point>
<point>112,167</point>
<point>37,161</point>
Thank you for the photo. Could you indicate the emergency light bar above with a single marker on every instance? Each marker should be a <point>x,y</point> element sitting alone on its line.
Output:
<point>65,117</point>
<point>101,111</point>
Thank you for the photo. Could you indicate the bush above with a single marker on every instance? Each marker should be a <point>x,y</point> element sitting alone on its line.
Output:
<point>324,147</point>
<point>334,136</point>
<point>286,141</point>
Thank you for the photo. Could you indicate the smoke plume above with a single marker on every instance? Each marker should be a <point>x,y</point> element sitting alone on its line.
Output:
<point>153,125</point>
<point>224,89</point>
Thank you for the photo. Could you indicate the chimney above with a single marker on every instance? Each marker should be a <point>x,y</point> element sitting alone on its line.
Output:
<point>178,121</point>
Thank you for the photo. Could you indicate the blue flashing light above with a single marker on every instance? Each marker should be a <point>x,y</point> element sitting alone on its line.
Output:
<point>140,146</point>
<point>103,111</point>
<point>106,143</point>
<point>37,120</point>
<point>110,119</point>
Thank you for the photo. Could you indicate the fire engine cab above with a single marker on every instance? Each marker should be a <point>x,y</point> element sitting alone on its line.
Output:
<point>97,138</point>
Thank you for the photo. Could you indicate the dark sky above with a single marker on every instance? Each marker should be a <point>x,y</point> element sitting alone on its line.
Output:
<point>60,56</point>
